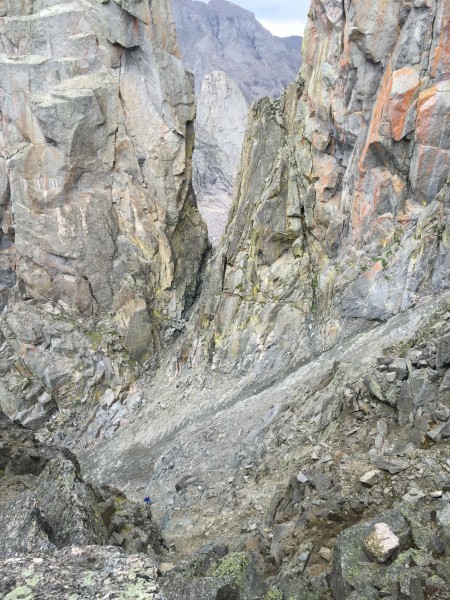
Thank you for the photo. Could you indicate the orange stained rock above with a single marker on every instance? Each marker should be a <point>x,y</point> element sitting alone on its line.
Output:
<point>345,57</point>
<point>377,114</point>
<point>432,112</point>
<point>404,219</point>
<point>405,84</point>
<point>373,272</point>
<point>440,64</point>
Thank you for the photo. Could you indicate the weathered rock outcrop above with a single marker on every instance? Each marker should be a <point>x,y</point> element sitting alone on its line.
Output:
<point>221,37</point>
<point>341,213</point>
<point>98,217</point>
<point>55,527</point>
<point>45,504</point>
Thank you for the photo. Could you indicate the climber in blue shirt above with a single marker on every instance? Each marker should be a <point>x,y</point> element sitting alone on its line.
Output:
<point>148,501</point>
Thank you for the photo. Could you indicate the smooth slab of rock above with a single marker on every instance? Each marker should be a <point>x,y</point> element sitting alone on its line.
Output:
<point>381,543</point>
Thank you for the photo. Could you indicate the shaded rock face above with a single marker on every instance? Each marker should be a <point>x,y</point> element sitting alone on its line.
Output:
<point>341,209</point>
<point>220,37</point>
<point>46,505</point>
<point>97,213</point>
<point>220,129</point>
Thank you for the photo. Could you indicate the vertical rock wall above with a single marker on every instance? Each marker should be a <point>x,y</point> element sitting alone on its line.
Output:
<point>341,211</point>
<point>220,130</point>
<point>96,206</point>
<point>235,61</point>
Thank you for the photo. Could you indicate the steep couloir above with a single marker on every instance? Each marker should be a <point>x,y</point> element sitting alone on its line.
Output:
<point>235,61</point>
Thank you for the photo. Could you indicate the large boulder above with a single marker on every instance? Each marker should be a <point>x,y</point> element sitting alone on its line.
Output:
<point>352,567</point>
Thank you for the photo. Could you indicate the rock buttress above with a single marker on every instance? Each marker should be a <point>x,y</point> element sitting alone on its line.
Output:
<point>98,216</point>
<point>341,211</point>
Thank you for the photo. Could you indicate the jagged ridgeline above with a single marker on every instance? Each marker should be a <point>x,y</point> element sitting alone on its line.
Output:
<point>289,405</point>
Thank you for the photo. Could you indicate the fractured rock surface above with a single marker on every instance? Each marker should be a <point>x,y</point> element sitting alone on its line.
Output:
<point>235,61</point>
<point>341,211</point>
<point>97,213</point>
<point>45,504</point>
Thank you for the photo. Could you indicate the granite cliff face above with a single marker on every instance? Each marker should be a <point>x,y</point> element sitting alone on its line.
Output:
<point>235,61</point>
<point>299,426</point>
<point>101,240</point>
<point>220,129</point>
<point>341,215</point>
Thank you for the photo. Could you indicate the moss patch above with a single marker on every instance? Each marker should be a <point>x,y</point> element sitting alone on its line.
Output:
<point>274,594</point>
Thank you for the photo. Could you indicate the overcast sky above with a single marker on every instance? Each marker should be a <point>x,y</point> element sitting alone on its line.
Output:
<point>281,17</point>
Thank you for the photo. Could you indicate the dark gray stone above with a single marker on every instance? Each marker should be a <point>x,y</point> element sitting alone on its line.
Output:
<point>390,464</point>
<point>443,352</point>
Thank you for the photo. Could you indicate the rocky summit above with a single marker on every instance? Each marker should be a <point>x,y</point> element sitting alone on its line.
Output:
<point>283,402</point>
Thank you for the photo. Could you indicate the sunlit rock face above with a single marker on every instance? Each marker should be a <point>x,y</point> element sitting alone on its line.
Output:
<point>341,207</point>
<point>97,212</point>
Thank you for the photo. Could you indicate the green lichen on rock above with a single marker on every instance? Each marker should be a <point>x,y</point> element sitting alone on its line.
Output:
<point>233,565</point>
<point>274,594</point>
<point>19,593</point>
<point>82,573</point>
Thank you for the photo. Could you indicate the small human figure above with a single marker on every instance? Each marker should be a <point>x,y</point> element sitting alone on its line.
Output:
<point>148,504</point>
